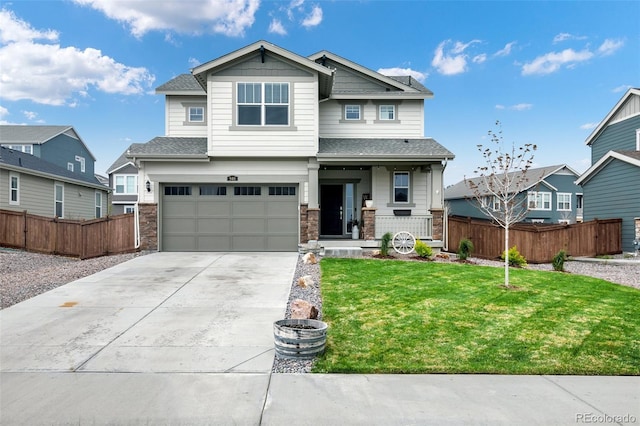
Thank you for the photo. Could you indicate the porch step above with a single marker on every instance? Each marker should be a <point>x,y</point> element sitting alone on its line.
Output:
<point>343,251</point>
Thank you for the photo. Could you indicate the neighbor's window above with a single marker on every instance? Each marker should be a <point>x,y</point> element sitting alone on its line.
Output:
<point>58,199</point>
<point>196,114</point>
<point>27,149</point>
<point>352,112</point>
<point>98,204</point>
<point>263,104</point>
<point>564,201</point>
<point>387,112</point>
<point>129,209</point>
<point>14,189</point>
<point>126,184</point>
<point>539,200</point>
<point>70,167</point>
<point>80,160</point>
<point>401,187</point>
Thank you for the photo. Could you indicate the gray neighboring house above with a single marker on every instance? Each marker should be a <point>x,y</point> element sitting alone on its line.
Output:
<point>265,149</point>
<point>611,185</point>
<point>123,181</point>
<point>552,196</point>
<point>29,183</point>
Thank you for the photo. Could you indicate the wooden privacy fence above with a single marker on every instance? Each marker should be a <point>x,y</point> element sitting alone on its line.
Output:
<point>538,243</point>
<point>78,238</point>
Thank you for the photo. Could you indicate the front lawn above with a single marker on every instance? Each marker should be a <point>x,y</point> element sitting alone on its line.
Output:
<point>390,316</point>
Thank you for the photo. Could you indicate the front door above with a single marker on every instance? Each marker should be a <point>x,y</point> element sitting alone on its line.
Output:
<point>331,210</point>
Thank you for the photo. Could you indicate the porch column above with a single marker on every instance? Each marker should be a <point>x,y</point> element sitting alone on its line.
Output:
<point>438,223</point>
<point>313,167</point>
<point>369,222</point>
<point>148,216</point>
<point>437,197</point>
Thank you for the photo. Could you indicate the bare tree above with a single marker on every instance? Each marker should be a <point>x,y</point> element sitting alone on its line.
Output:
<point>499,185</point>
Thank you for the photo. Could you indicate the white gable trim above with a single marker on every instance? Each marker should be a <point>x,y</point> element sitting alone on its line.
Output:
<point>608,157</point>
<point>604,123</point>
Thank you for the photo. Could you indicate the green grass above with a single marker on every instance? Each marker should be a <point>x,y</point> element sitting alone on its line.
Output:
<point>390,316</point>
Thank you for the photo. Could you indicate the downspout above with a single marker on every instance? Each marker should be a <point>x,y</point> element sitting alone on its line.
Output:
<point>445,214</point>
<point>136,214</point>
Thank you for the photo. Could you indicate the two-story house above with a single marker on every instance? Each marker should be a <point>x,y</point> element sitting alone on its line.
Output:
<point>123,181</point>
<point>550,196</point>
<point>49,171</point>
<point>266,149</point>
<point>611,185</point>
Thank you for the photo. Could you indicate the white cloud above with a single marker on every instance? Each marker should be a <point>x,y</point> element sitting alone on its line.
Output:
<point>621,88</point>
<point>276,27</point>
<point>420,76</point>
<point>453,61</point>
<point>506,50</point>
<point>609,47</point>
<point>516,107</point>
<point>54,75</point>
<point>589,126</point>
<point>193,62</point>
<point>229,17</point>
<point>478,59</point>
<point>500,106</point>
<point>314,18</point>
<point>553,61</point>
<point>31,115</point>
<point>566,36</point>
<point>3,111</point>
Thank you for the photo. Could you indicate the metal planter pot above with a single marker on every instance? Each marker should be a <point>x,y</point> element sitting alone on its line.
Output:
<point>299,338</point>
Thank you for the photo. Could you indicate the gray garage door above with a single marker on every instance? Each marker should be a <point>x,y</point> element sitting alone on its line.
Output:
<point>216,217</point>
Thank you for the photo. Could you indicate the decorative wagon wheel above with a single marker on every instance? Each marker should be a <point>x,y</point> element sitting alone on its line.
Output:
<point>404,242</point>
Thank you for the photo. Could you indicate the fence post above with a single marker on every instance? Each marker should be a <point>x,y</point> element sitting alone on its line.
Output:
<point>25,230</point>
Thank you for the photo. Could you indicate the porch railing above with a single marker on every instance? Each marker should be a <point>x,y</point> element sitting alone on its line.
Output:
<point>420,226</point>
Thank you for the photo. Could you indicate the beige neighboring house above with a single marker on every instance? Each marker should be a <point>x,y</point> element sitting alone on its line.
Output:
<point>265,149</point>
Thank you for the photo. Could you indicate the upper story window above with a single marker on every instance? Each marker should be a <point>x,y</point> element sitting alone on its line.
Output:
<point>14,189</point>
<point>26,148</point>
<point>352,112</point>
<point>80,160</point>
<point>263,104</point>
<point>563,201</point>
<point>70,166</point>
<point>401,187</point>
<point>539,200</point>
<point>126,184</point>
<point>387,112</point>
<point>196,114</point>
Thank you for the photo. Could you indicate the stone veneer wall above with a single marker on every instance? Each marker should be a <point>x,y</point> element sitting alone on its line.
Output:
<point>304,224</point>
<point>148,213</point>
<point>438,223</point>
<point>313,224</point>
<point>369,223</point>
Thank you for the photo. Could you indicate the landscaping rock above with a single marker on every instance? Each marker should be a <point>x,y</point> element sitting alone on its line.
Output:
<point>301,309</point>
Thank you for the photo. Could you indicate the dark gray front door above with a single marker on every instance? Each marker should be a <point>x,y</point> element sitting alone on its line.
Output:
<point>331,210</point>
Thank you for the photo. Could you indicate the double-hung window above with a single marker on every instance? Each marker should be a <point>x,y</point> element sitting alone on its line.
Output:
<point>263,104</point>
<point>401,187</point>
<point>98,204</point>
<point>352,112</point>
<point>14,189</point>
<point>539,200</point>
<point>58,195</point>
<point>196,114</point>
<point>387,112</point>
<point>563,201</point>
<point>126,184</point>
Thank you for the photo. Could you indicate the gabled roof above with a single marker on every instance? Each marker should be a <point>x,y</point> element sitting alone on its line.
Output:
<point>631,157</point>
<point>405,86</point>
<point>120,162</point>
<point>605,122</point>
<point>263,47</point>
<point>170,147</point>
<point>375,149</point>
<point>533,177</point>
<point>184,84</point>
<point>35,134</point>
<point>27,163</point>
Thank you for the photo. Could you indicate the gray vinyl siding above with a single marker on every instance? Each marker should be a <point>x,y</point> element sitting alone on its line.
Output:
<point>614,192</point>
<point>176,111</point>
<point>271,67</point>
<point>346,80</point>
<point>619,136</point>
<point>63,149</point>
<point>37,197</point>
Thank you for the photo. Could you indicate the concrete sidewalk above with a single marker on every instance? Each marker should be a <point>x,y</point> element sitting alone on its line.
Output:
<point>187,338</point>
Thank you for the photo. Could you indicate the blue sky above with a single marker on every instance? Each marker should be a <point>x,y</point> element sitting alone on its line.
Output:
<point>549,71</point>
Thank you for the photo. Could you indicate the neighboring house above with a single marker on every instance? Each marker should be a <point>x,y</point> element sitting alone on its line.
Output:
<point>123,180</point>
<point>611,185</point>
<point>551,196</point>
<point>266,149</point>
<point>43,188</point>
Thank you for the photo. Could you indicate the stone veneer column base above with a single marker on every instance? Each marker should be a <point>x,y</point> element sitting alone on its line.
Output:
<point>438,223</point>
<point>313,224</point>
<point>369,223</point>
<point>148,214</point>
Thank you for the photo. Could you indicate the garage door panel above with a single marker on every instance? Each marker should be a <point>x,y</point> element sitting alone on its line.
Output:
<point>249,243</point>
<point>180,225</point>
<point>214,225</point>
<point>255,225</point>
<point>281,243</point>
<point>220,242</point>
<point>214,208</point>
<point>180,242</point>
<point>279,225</point>
<point>282,208</point>
<point>182,209</point>
<point>249,208</point>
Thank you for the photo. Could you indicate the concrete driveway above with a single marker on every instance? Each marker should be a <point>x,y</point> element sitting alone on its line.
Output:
<point>187,339</point>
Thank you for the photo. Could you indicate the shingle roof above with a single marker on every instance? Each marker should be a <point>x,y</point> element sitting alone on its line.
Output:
<point>182,83</point>
<point>166,146</point>
<point>533,176</point>
<point>29,134</point>
<point>17,159</point>
<point>120,161</point>
<point>631,154</point>
<point>407,80</point>
<point>377,148</point>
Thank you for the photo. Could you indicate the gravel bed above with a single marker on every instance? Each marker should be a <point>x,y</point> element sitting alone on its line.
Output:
<point>24,275</point>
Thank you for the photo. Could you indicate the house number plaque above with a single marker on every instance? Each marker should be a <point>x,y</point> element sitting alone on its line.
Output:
<point>232,178</point>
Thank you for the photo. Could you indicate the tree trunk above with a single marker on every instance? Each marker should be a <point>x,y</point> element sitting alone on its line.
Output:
<point>506,255</point>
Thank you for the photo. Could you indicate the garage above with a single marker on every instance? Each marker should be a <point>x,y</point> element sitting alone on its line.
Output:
<point>219,217</point>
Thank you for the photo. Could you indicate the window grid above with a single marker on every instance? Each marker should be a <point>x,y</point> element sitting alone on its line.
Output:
<point>563,201</point>
<point>126,184</point>
<point>352,112</point>
<point>213,190</point>
<point>59,200</point>
<point>282,190</point>
<point>539,200</point>
<point>177,190</point>
<point>387,112</point>
<point>401,187</point>
<point>14,189</point>
<point>196,114</point>
<point>98,205</point>
<point>263,104</point>
<point>247,190</point>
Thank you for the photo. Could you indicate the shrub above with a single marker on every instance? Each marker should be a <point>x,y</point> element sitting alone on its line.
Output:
<point>385,243</point>
<point>515,258</point>
<point>465,248</point>
<point>558,261</point>
<point>423,249</point>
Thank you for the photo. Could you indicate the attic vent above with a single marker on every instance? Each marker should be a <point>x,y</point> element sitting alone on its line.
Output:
<point>262,50</point>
